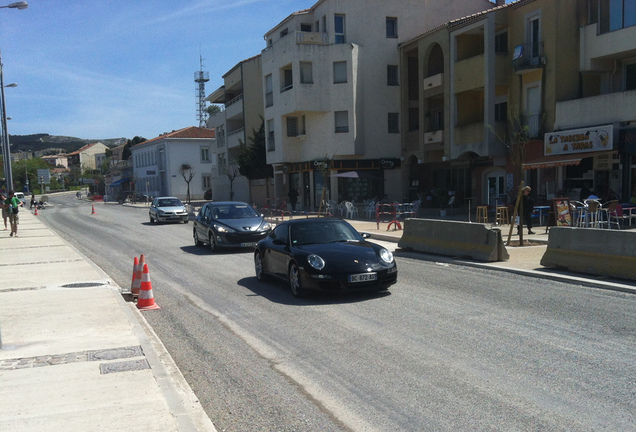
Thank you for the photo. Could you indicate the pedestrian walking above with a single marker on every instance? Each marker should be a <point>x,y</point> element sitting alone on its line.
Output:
<point>293,197</point>
<point>13,204</point>
<point>5,211</point>
<point>528,208</point>
<point>33,202</point>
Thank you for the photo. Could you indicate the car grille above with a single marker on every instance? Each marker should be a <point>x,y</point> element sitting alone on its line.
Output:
<point>247,237</point>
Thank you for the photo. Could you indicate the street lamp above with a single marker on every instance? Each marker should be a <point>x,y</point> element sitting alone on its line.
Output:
<point>16,5</point>
<point>6,150</point>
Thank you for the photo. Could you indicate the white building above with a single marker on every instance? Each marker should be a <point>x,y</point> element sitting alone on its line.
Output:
<point>332,92</point>
<point>241,101</point>
<point>158,163</point>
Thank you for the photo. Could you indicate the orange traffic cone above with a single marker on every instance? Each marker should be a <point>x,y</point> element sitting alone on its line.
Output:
<point>146,300</point>
<point>93,212</point>
<point>134,273</point>
<point>36,211</point>
<point>136,282</point>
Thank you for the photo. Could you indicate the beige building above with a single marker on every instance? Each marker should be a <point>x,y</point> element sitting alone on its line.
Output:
<point>90,156</point>
<point>555,68</point>
<point>240,99</point>
<point>331,77</point>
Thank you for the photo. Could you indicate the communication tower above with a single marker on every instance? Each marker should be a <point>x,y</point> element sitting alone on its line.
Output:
<point>200,78</point>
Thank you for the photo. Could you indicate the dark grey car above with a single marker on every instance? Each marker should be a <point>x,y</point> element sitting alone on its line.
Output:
<point>229,224</point>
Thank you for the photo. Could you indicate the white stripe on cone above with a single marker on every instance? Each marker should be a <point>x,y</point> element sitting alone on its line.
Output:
<point>146,299</point>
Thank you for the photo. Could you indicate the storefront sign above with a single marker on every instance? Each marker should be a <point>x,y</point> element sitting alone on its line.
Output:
<point>627,140</point>
<point>573,141</point>
<point>482,161</point>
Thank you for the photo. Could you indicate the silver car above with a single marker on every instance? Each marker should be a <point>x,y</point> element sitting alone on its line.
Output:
<point>167,209</point>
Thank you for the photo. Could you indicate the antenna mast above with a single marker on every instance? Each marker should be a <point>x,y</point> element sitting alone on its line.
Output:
<point>200,78</point>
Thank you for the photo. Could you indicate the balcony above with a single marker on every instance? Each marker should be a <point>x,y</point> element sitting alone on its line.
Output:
<point>434,137</point>
<point>469,74</point>
<point>233,138</point>
<point>234,108</point>
<point>600,50</point>
<point>312,38</point>
<point>528,57</point>
<point>433,85</point>
<point>603,109</point>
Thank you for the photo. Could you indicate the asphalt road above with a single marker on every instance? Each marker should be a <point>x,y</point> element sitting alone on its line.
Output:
<point>449,348</point>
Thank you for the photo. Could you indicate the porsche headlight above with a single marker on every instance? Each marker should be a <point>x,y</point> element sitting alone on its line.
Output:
<point>222,229</point>
<point>386,256</point>
<point>316,262</point>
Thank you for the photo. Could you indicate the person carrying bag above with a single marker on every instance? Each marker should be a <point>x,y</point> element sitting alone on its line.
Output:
<point>12,204</point>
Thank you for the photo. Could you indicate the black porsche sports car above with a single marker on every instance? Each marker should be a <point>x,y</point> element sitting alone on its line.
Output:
<point>324,254</point>
<point>229,224</point>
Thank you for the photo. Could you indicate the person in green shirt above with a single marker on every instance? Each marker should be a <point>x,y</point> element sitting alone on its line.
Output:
<point>12,204</point>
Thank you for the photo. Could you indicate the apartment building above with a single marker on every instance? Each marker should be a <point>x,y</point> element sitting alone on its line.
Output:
<point>161,165</point>
<point>331,81</point>
<point>240,100</point>
<point>595,131</point>
<point>91,156</point>
<point>559,69</point>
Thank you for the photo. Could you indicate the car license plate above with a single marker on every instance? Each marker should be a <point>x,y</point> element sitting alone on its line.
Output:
<point>363,277</point>
<point>251,244</point>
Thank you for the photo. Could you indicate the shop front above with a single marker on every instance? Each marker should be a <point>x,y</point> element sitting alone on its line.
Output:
<point>577,162</point>
<point>357,181</point>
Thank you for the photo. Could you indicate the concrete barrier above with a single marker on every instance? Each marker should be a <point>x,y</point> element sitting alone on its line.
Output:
<point>592,251</point>
<point>454,238</point>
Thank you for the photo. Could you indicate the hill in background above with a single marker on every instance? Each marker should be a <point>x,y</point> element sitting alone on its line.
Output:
<point>38,142</point>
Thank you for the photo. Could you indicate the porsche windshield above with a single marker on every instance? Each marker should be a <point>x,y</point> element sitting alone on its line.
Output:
<point>323,232</point>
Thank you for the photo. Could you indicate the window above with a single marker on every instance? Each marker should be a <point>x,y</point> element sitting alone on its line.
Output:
<point>616,14</point>
<point>341,120</point>
<point>630,77</point>
<point>392,75</point>
<point>339,72</point>
<point>391,27</point>
<point>205,154</point>
<point>305,27</point>
<point>306,76</point>
<point>269,93</point>
<point>534,37</point>
<point>394,122</point>
<point>501,112</point>
<point>271,144</point>
<point>339,28</point>
<point>287,78</point>
<point>437,119</point>
<point>283,33</point>
<point>220,136</point>
<point>324,23</point>
<point>501,42</point>
<point>222,163</point>
<point>317,26</point>
<point>295,126</point>
<point>206,181</point>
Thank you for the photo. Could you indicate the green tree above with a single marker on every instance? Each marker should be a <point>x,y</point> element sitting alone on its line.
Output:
<point>252,159</point>
<point>127,152</point>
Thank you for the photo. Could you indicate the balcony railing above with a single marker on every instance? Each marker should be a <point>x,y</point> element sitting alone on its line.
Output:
<point>312,38</point>
<point>528,56</point>
<point>233,101</point>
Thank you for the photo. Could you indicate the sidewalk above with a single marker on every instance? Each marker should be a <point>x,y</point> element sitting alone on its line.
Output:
<point>524,260</point>
<point>74,354</point>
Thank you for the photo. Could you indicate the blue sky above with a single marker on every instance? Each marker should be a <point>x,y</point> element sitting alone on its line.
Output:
<point>97,69</point>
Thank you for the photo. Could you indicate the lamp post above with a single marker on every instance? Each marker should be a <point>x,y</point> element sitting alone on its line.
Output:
<point>6,150</point>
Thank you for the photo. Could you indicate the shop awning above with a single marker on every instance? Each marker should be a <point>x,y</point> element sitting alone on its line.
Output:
<point>558,160</point>
<point>120,181</point>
